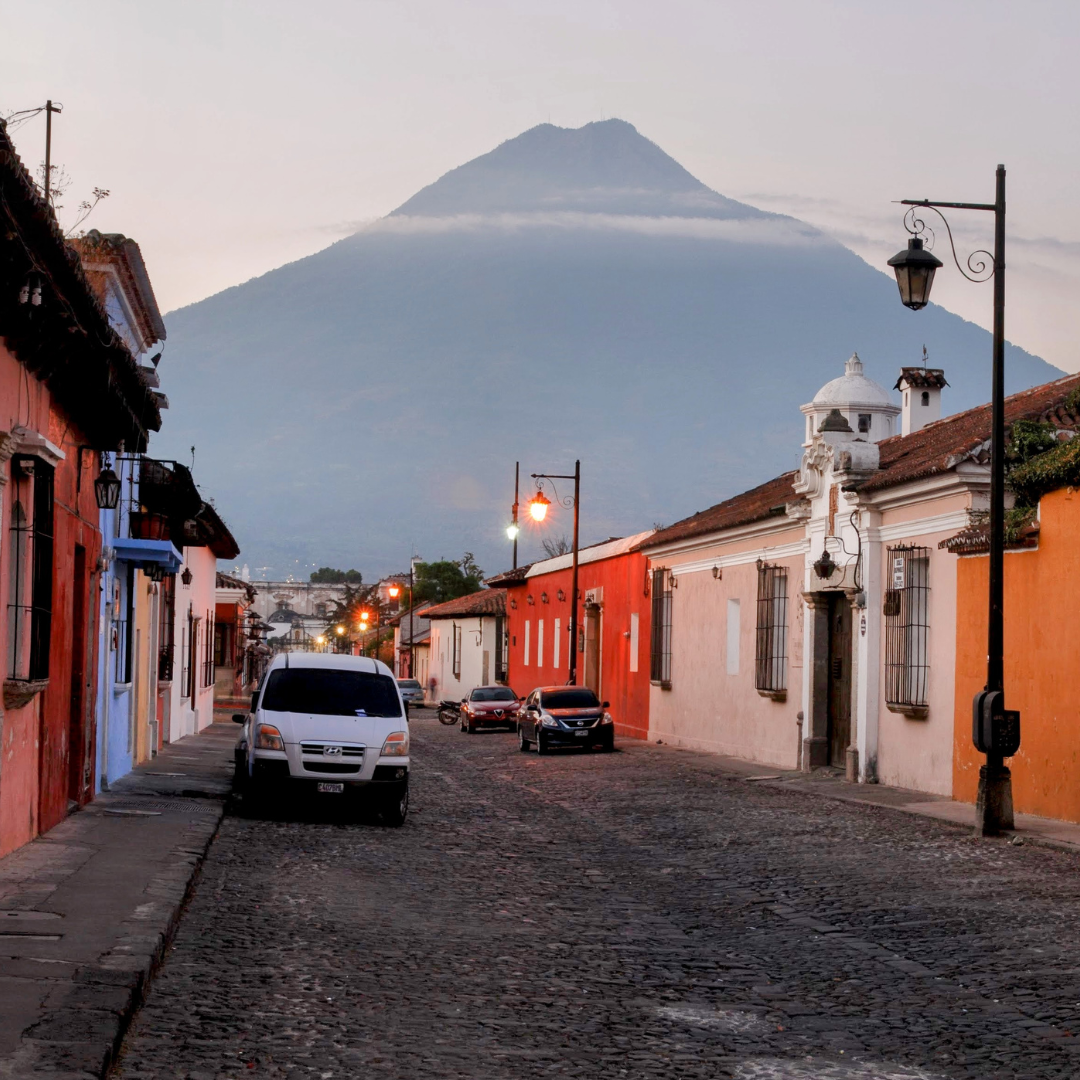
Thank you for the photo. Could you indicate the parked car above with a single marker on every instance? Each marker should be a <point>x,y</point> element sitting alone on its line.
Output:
<point>412,693</point>
<point>565,716</point>
<point>328,725</point>
<point>489,706</point>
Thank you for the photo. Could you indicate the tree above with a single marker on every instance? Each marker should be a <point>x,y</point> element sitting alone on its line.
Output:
<point>557,545</point>
<point>327,575</point>
<point>438,582</point>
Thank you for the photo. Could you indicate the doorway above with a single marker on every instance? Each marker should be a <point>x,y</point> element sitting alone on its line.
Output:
<point>592,648</point>
<point>78,729</point>
<point>839,688</point>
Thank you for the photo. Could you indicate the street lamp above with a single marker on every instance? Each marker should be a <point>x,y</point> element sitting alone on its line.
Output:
<point>395,592</point>
<point>995,729</point>
<point>513,530</point>
<point>538,508</point>
<point>107,489</point>
<point>538,505</point>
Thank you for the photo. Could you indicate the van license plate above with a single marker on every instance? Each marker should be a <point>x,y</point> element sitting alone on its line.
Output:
<point>331,788</point>
<point>581,734</point>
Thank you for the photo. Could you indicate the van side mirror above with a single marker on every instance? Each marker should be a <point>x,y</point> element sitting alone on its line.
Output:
<point>239,718</point>
<point>254,700</point>
<point>606,705</point>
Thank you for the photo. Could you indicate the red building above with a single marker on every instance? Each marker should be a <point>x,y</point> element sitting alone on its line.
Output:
<point>613,627</point>
<point>69,388</point>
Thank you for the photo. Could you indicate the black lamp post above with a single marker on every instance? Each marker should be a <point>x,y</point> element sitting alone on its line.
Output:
<point>995,729</point>
<point>538,507</point>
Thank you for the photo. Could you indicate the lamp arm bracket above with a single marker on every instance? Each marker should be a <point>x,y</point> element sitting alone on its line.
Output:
<point>567,501</point>
<point>916,226</point>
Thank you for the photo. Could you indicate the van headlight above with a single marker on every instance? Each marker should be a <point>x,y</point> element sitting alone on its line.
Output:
<point>396,745</point>
<point>267,737</point>
<point>548,721</point>
<point>606,719</point>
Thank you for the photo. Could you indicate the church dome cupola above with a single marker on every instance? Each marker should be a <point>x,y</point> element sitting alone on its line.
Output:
<point>863,403</point>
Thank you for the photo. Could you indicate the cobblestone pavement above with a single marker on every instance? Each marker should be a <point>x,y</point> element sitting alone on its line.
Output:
<point>629,915</point>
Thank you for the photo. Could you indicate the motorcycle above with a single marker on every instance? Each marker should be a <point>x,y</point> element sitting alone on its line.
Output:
<point>449,712</point>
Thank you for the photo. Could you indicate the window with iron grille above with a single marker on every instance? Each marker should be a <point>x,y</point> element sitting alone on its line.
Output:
<point>166,627</point>
<point>770,654</point>
<point>208,669</point>
<point>502,649</point>
<point>660,651</point>
<point>907,658</point>
<point>457,651</point>
<point>187,653</point>
<point>30,602</point>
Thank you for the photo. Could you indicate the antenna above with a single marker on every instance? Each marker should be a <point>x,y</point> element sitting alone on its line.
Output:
<point>50,108</point>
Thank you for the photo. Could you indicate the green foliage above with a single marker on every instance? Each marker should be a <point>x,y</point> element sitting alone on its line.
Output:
<point>437,582</point>
<point>327,575</point>
<point>1056,468</point>
<point>1072,402</point>
<point>1028,439</point>
<point>1016,520</point>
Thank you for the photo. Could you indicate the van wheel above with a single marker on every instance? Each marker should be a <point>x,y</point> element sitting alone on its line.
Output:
<point>541,743</point>
<point>396,807</point>
<point>523,743</point>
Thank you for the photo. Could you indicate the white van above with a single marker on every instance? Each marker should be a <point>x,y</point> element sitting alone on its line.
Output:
<point>334,726</point>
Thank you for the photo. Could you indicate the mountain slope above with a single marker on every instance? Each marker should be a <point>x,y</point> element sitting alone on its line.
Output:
<point>571,294</point>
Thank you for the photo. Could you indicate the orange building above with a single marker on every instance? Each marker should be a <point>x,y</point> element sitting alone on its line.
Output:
<point>1042,656</point>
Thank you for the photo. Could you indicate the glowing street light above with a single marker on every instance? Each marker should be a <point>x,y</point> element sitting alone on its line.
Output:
<point>340,630</point>
<point>538,506</point>
<point>394,590</point>
<point>513,530</point>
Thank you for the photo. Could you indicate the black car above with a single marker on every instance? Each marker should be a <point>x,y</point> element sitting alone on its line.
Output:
<point>564,716</point>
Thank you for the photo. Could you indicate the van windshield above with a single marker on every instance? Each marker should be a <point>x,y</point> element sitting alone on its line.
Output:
<point>330,692</point>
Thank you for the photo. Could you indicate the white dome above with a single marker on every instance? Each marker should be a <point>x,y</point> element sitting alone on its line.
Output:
<point>852,388</point>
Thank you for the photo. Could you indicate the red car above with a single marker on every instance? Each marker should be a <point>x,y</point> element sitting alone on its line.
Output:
<point>490,705</point>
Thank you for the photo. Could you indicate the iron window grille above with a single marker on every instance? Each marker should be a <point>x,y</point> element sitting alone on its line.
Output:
<point>30,602</point>
<point>208,668</point>
<point>660,648</point>
<point>907,657</point>
<point>770,658</point>
<point>166,627</point>
<point>502,649</point>
<point>457,651</point>
<point>187,654</point>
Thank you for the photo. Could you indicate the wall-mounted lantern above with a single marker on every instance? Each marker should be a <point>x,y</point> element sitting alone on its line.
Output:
<point>107,489</point>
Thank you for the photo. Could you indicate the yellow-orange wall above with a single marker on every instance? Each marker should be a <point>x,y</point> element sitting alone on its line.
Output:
<point>1042,659</point>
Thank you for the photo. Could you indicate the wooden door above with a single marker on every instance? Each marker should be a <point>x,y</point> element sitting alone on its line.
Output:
<point>592,648</point>
<point>839,679</point>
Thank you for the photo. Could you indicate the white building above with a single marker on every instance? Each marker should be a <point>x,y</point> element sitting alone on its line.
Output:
<point>467,644</point>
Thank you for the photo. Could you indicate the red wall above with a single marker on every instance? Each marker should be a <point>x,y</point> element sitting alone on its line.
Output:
<point>622,578</point>
<point>47,742</point>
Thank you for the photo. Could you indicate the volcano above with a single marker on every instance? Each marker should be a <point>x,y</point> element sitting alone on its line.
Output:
<point>572,294</point>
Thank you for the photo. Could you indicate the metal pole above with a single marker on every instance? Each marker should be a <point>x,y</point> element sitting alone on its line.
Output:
<point>574,578</point>
<point>48,147</point>
<point>994,807</point>
<point>517,473</point>
<point>412,672</point>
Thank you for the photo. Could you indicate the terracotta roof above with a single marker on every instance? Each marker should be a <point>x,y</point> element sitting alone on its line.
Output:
<point>509,577</point>
<point>975,539</point>
<point>765,501</point>
<point>941,446</point>
<point>484,602</point>
<point>70,343</point>
<point>227,581</point>
<point>921,378</point>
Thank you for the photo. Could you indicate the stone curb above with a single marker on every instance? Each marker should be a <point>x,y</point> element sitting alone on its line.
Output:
<point>81,1038</point>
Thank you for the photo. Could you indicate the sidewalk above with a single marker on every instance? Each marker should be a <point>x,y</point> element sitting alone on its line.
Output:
<point>87,910</point>
<point>831,784</point>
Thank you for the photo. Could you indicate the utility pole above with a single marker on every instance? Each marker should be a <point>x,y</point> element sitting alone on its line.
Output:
<point>517,473</point>
<point>50,108</point>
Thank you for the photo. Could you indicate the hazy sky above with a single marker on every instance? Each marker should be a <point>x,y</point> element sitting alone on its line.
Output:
<point>236,136</point>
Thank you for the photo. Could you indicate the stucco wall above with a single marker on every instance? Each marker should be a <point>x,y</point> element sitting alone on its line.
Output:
<point>477,637</point>
<point>708,708</point>
<point>917,753</point>
<point>622,579</point>
<point>189,715</point>
<point>1042,654</point>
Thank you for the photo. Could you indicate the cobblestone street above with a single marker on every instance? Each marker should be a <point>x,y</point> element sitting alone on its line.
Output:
<point>629,915</point>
